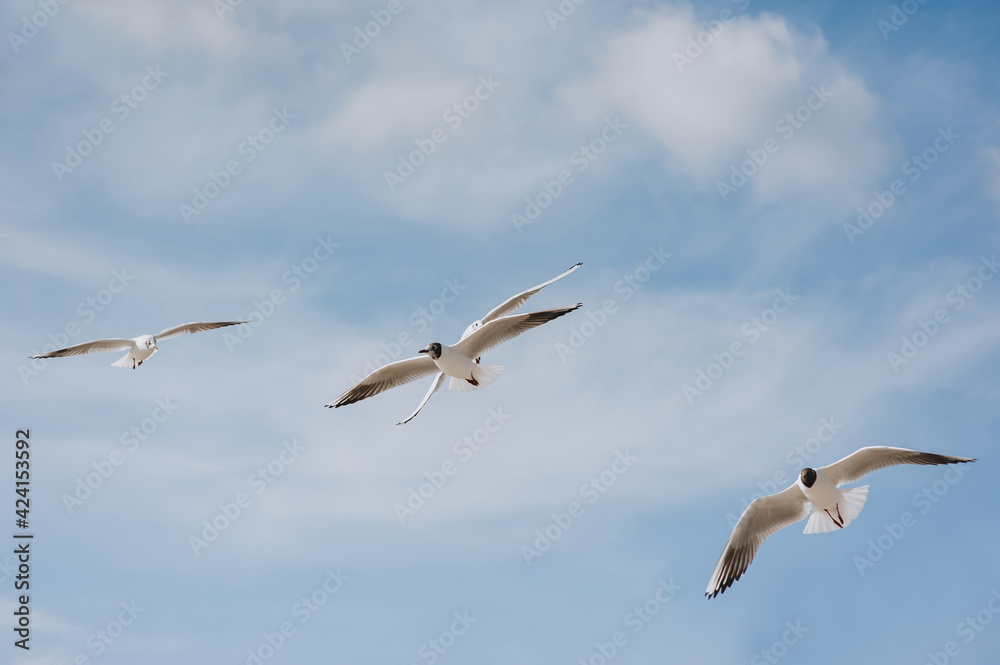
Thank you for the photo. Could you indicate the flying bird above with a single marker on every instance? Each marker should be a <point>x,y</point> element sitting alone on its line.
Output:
<point>457,361</point>
<point>138,348</point>
<point>815,489</point>
<point>506,307</point>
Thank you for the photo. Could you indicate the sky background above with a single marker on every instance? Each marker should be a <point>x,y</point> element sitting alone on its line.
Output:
<point>103,234</point>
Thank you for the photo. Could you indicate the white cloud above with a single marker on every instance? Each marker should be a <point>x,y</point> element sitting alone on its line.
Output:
<point>707,110</point>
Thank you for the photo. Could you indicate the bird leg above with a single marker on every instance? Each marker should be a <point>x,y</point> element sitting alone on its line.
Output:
<point>841,522</point>
<point>472,380</point>
<point>140,363</point>
<point>133,363</point>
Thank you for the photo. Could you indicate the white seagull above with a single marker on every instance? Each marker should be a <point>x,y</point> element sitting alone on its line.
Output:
<point>832,508</point>
<point>457,361</point>
<point>506,307</point>
<point>139,348</point>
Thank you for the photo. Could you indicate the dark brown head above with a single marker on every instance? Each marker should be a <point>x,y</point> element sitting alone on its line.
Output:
<point>808,477</point>
<point>433,350</point>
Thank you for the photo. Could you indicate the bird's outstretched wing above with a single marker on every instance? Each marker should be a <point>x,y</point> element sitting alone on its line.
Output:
<point>97,346</point>
<point>505,328</point>
<point>384,378</point>
<point>862,462</point>
<point>762,518</point>
<point>512,303</point>
<point>435,385</point>
<point>190,328</point>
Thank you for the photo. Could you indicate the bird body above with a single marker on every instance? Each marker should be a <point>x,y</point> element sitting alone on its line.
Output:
<point>503,309</point>
<point>457,361</point>
<point>138,348</point>
<point>832,507</point>
<point>142,348</point>
<point>465,373</point>
<point>815,490</point>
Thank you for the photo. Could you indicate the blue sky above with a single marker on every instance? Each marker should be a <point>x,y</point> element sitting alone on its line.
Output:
<point>827,189</point>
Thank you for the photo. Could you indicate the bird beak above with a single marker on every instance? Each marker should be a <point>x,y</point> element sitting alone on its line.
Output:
<point>156,347</point>
<point>423,351</point>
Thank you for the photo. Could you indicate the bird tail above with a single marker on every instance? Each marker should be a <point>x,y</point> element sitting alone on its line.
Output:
<point>854,501</point>
<point>124,361</point>
<point>850,505</point>
<point>483,374</point>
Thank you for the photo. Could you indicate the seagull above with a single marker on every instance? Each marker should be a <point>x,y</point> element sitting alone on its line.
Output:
<point>832,508</point>
<point>506,307</point>
<point>457,361</point>
<point>139,348</point>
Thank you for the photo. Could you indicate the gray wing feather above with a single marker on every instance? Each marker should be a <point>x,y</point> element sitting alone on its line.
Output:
<point>498,331</point>
<point>384,378</point>
<point>190,328</point>
<point>97,346</point>
<point>862,462</point>
<point>435,385</point>
<point>762,518</point>
<point>511,304</point>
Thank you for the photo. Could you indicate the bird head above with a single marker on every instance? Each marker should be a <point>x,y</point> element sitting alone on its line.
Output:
<point>808,477</point>
<point>151,343</point>
<point>433,350</point>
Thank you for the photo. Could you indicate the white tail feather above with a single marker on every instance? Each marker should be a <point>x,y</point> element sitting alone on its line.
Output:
<point>850,505</point>
<point>484,374</point>
<point>854,501</point>
<point>124,361</point>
